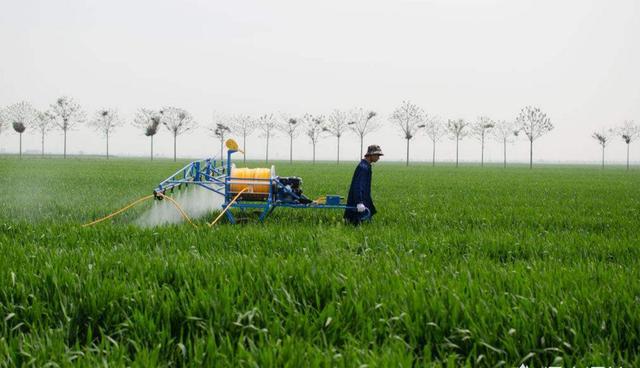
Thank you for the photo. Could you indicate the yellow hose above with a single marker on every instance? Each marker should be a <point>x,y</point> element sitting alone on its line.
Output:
<point>184,215</point>
<point>226,208</point>
<point>119,211</point>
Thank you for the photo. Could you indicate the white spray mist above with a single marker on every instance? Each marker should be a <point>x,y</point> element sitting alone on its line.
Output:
<point>195,201</point>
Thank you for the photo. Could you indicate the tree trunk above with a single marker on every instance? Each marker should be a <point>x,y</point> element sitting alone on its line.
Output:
<point>244,148</point>
<point>42,144</point>
<point>457,141</point>
<point>603,157</point>
<point>175,137</point>
<point>505,152</point>
<point>482,152</point>
<point>266,157</point>
<point>408,151</point>
<point>291,149</point>
<point>530,154</point>
<point>338,159</point>
<point>20,145</point>
<point>433,154</point>
<point>107,145</point>
<point>151,148</point>
<point>221,147</point>
<point>314,153</point>
<point>64,150</point>
<point>627,156</point>
<point>361,144</point>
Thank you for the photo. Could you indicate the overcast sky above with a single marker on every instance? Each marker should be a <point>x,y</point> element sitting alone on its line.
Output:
<point>577,60</point>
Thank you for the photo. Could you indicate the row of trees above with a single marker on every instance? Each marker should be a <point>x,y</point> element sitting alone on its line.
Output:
<point>408,118</point>
<point>65,114</point>
<point>530,122</point>
<point>629,131</point>
<point>314,127</point>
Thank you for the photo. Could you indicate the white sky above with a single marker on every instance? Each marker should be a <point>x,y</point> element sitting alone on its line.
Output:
<point>578,60</point>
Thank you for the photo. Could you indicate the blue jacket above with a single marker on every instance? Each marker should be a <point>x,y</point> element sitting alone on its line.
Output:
<point>360,192</point>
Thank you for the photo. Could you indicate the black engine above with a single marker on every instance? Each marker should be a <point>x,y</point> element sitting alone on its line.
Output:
<point>292,193</point>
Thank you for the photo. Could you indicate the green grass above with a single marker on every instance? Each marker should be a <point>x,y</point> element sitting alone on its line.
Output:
<point>463,266</point>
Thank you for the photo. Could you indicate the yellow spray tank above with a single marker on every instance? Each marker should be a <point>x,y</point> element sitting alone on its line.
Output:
<point>255,181</point>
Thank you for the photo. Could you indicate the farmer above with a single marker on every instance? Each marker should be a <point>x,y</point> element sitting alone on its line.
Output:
<point>360,191</point>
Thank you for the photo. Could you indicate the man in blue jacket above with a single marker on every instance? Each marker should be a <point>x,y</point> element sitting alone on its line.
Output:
<point>360,192</point>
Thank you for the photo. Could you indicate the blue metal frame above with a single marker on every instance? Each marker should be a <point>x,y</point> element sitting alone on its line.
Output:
<point>203,173</point>
<point>208,175</point>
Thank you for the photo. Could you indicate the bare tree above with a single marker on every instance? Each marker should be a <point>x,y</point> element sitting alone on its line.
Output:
<point>409,118</point>
<point>244,125</point>
<point>314,127</point>
<point>505,132</point>
<point>362,123</point>
<point>149,121</point>
<point>534,124</point>
<point>68,115</point>
<point>290,127</point>
<point>105,121</point>
<point>336,126</point>
<point>435,130</point>
<point>480,130</point>
<point>457,129</point>
<point>603,138</point>
<point>44,123</point>
<point>178,121</point>
<point>629,131</point>
<point>267,125</point>
<point>20,128</point>
<point>221,130</point>
<point>21,116</point>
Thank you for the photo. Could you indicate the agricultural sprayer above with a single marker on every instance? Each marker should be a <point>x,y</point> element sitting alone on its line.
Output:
<point>241,188</point>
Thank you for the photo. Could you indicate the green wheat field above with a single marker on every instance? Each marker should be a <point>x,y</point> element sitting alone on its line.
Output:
<point>461,267</point>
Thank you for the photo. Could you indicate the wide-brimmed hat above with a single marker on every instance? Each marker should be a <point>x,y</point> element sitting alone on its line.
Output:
<point>374,150</point>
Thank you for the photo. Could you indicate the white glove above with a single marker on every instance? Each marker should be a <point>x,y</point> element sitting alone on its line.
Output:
<point>360,207</point>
